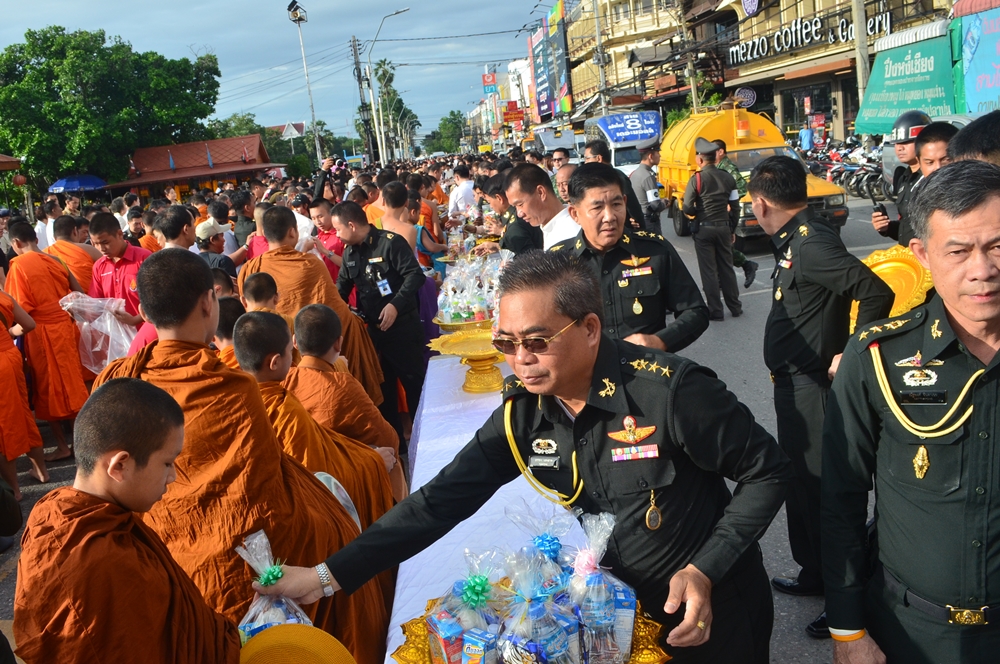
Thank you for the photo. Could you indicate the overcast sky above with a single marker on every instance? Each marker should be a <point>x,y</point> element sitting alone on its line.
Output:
<point>260,60</point>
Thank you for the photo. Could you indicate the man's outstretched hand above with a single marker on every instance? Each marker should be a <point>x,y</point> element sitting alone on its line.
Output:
<point>301,584</point>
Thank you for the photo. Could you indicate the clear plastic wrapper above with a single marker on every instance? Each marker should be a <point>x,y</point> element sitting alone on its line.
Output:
<point>103,338</point>
<point>535,627</point>
<point>469,292</point>
<point>476,602</point>
<point>593,591</point>
<point>545,531</point>
<point>266,611</point>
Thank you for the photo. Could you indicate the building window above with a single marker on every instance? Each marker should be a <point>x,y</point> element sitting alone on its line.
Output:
<point>644,7</point>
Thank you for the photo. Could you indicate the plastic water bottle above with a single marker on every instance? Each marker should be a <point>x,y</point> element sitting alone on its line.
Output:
<point>549,636</point>
<point>598,616</point>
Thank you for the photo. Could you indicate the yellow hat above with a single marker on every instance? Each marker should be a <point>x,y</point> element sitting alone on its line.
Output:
<point>294,644</point>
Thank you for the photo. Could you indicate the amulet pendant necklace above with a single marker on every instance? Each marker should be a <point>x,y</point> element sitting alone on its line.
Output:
<point>654,519</point>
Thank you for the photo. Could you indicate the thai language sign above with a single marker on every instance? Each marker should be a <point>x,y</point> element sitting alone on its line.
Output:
<point>981,61</point>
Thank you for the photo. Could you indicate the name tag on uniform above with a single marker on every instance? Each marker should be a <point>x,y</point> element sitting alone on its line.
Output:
<point>636,272</point>
<point>383,287</point>
<point>351,263</point>
<point>923,397</point>
<point>376,259</point>
<point>635,452</point>
<point>543,462</point>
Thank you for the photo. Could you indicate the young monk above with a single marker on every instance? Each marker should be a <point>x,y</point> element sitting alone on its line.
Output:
<point>37,282</point>
<point>230,310</point>
<point>224,286</point>
<point>233,477</point>
<point>303,279</point>
<point>260,293</point>
<point>94,583</point>
<point>18,432</point>
<point>77,256</point>
<point>149,241</point>
<point>336,399</point>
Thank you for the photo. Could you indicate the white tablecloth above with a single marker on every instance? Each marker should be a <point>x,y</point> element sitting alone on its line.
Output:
<point>447,419</point>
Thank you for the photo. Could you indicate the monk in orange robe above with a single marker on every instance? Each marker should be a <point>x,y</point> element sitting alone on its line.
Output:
<point>334,399</point>
<point>233,477</point>
<point>149,241</point>
<point>18,432</point>
<point>303,279</point>
<point>260,293</point>
<point>77,256</point>
<point>230,310</point>
<point>94,583</point>
<point>38,281</point>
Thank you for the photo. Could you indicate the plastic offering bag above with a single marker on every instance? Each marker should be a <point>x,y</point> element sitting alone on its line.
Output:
<point>593,591</point>
<point>545,531</point>
<point>103,337</point>
<point>531,629</point>
<point>266,610</point>
<point>475,601</point>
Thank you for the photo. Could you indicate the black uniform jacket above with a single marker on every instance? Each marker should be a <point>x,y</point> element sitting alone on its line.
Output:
<point>381,256</point>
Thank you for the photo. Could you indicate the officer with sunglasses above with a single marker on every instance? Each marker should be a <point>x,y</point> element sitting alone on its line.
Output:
<point>606,426</point>
<point>643,279</point>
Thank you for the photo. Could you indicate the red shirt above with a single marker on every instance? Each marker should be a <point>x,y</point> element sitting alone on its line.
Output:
<point>332,243</point>
<point>147,335</point>
<point>256,246</point>
<point>117,279</point>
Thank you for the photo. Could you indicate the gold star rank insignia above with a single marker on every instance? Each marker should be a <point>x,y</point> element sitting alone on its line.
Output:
<point>632,434</point>
<point>609,389</point>
<point>804,230</point>
<point>863,336</point>
<point>666,371</point>
<point>653,367</point>
<point>638,365</point>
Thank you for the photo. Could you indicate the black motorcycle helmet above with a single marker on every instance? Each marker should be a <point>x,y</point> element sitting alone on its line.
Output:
<point>907,127</point>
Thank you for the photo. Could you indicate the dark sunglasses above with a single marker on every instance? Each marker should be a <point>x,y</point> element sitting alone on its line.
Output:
<point>534,345</point>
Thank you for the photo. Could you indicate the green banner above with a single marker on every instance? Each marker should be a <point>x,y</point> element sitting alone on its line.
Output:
<point>918,76</point>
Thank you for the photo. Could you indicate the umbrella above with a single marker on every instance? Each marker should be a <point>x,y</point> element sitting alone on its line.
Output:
<point>77,183</point>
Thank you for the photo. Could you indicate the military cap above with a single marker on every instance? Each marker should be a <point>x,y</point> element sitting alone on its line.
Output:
<point>701,146</point>
<point>649,145</point>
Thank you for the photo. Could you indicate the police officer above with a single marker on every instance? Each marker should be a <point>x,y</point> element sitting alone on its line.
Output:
<point>903,138</point>
<point>644,184</point>
<point>383,269</point>
<point>642,278</point>
<point>814,281</point>
<point>712,200</point>
<point>574,412</point>
<point>914,406</point>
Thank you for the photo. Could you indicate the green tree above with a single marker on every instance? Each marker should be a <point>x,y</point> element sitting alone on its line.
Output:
<point>81,102</point>
<point>448,136</point>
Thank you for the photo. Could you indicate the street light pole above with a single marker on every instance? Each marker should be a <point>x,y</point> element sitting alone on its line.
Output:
<point>379,133</point>
<point>297,15</point>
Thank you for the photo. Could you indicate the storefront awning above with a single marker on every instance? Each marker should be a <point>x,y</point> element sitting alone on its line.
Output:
<point>913,35</point>
<point>966,7</point>
<point>702,8</point>
<point>779,72</point>
<point>916,76</point>
<point>644,56</point>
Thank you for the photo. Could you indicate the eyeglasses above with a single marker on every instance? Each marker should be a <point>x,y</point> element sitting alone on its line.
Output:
<point>534,345</point>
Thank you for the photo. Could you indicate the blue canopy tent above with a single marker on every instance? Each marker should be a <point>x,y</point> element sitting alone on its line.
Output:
<point>77,183</point>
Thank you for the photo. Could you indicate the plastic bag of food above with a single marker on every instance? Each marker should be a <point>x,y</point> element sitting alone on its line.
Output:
<point>593,591</point>
<point>475,601</point>
<point>533,628</point>
<point>103,337</point>
<point>545,530</point>
<point>266,610</point>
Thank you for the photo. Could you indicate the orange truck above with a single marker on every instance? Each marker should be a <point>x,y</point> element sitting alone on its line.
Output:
<point>750,138</point>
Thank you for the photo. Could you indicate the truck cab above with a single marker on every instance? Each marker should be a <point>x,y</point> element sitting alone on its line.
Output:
<point>750,138</point>
<point>623,132</point>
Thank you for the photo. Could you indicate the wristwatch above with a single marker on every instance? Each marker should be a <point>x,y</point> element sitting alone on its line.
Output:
<point>325,579</point>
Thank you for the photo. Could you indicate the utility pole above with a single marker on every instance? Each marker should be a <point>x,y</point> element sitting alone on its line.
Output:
<point>599,60</point>
<point>861,46</point>
<point>689,71</point>
<point>366,118</point>
<point>298,16</point>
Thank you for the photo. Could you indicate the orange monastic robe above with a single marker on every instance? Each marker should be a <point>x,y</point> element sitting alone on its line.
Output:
<point>18,431</point>
<point>337,401</point>
<point>302,280</point>
<point>439,195</point>
<point>233,479</point>
<point>37,281</point>
<point>95,585</point>
<point>149,243</point>
<point>79,262</point>
<point>228,357</point>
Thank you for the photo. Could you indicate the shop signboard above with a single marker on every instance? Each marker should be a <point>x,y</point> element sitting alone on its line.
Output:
<point>981,61</point>
<point>513,116</point>
<point>915,76</point>
<point>559,77</point>
<point>540,73</point>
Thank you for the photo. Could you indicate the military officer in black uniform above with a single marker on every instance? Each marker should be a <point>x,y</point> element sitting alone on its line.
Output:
<point>814,281</point>
<point>914,407</point>
<point>607,426</point>
<point>387,276</point>
<point>643,280</point>
<point>903,140</point>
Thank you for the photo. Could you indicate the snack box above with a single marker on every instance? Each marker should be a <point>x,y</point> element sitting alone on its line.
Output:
<point>445,636</point>
<point>624,618</point>
<point>479,647</point>
<point>571,625</point>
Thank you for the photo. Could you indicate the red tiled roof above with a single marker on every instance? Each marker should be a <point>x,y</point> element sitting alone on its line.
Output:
<point>299,127</point>
<point>9,163</point>
<point>194,174</point>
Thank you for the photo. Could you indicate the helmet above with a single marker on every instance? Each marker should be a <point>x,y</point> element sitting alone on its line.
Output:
<point>907,127</point>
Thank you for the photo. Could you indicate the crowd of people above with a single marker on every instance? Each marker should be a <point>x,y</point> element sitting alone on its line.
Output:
<point>280,339</point>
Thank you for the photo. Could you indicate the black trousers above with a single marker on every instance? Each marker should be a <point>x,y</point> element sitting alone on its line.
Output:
<point>742,618</point>
<point>401,354</point>
<point>801,408</point>
<point>714,247</point>
<point>908,636</point>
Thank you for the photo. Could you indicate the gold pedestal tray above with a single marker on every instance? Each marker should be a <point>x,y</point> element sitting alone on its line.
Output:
<point>476,349</point>
<point>463,325</point>
<point>904,274</point>
<point>645,641</point>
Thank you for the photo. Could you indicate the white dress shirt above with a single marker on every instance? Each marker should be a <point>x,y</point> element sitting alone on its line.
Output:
<point>559,229</point>
<point>42,232</point>
<point>461,198</point>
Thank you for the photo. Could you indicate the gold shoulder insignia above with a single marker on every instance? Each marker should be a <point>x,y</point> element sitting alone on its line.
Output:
<point>609,389</point>
<point>783,236</point>
<point>512,384</point>
<point>863,335</point>
<point>804,230</point>
<point>626,239</point>
<point>579,243</point>
<point>935,332</point>
<point>659,237</point>
<point>556,247</point>
<point>638,365</point>
<point>666,371</point>
<point>641,233</point>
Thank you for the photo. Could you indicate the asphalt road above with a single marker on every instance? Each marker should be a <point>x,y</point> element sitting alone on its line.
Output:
<point>732,348</point>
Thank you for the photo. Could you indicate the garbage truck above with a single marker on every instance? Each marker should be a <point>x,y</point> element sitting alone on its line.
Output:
<point>622,132</point>
<point>750,138</point>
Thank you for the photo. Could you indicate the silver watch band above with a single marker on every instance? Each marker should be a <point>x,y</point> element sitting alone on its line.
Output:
<point>325,579</point>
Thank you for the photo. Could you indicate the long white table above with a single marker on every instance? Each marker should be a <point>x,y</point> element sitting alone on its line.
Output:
<point>446,420</point>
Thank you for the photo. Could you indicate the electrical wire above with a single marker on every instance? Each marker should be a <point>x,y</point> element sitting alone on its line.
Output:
<point>479,34</point>
<point>238,91</point>
<point>308,55</point>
